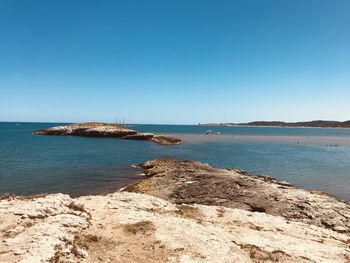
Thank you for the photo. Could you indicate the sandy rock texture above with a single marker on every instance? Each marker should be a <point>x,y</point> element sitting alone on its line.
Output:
<point>32,230</point>
<point>132,227</point>
<point>191,182</point>
<point>97,129</point>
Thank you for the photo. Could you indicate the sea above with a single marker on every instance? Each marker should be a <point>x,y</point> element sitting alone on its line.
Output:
<point>310,158</point>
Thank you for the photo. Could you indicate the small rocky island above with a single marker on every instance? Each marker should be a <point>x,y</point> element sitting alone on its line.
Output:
<point>307,124</point>
<point>182,211</point>
<point>98,129</point>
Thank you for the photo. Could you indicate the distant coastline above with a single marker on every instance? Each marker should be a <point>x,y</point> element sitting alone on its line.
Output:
<point>308,124</point>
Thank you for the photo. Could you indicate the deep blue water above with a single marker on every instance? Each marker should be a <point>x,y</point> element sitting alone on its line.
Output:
<point>30,163</point>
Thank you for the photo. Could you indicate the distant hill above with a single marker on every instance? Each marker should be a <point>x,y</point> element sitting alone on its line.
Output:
<point>314,124</point>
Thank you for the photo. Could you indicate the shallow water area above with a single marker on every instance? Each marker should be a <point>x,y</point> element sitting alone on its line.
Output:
<point>332,141</point>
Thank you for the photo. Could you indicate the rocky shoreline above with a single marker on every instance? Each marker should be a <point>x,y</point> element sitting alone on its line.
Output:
<point>182,211</point>
<point>98,129</point>
<point>191,182</point>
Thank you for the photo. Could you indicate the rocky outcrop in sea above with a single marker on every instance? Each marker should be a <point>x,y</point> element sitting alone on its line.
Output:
<point>98,129</point>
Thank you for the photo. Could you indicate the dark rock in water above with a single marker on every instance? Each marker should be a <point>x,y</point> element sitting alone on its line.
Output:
<point>190,182</point>
<point>139,136</point>
<point>166,140</point>
<point>97,129</point>
<point>159,139</point>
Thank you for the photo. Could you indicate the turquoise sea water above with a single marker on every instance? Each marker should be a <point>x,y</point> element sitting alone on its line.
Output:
<point>31,164</point>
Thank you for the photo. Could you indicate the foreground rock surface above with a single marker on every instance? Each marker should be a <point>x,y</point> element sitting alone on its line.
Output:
<point>97,129</point>
<point>190,182</point>
<point>132,227</point>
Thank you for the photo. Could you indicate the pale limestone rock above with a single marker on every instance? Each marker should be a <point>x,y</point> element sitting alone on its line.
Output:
<point>132,227</point>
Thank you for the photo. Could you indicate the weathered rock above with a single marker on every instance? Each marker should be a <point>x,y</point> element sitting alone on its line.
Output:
<point>33,229</point>
<point>89,129</point>
<point>131,227</point>
<point>166,140</point>
<point>190,182</point>
<point>96,129</point>
<point>139,136</point>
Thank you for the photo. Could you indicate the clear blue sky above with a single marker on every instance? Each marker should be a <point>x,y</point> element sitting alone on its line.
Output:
<point>174,61</point>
